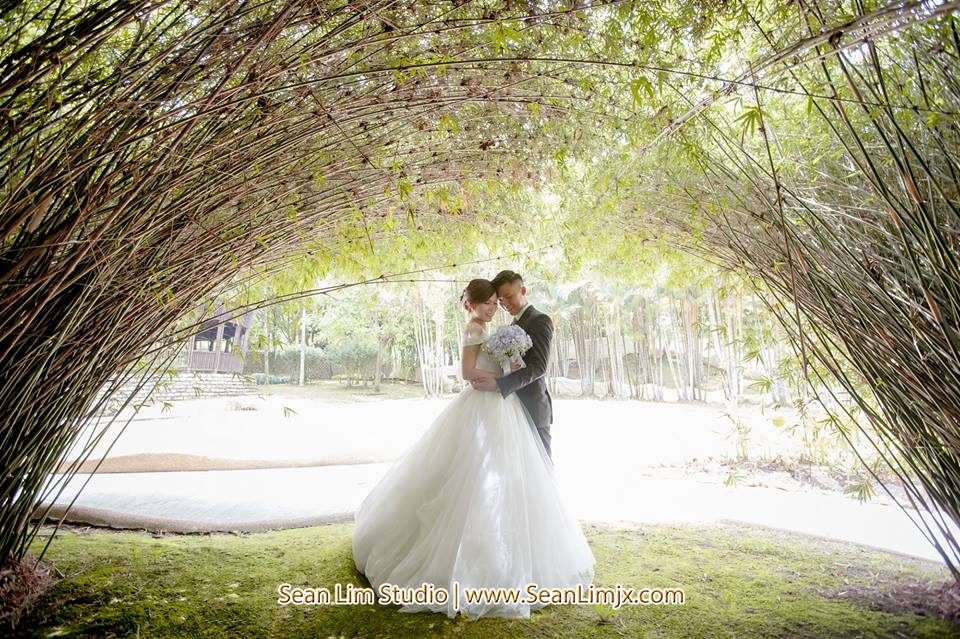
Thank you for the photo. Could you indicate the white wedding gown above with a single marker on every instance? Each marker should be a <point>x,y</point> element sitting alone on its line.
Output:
<point>474,500</point>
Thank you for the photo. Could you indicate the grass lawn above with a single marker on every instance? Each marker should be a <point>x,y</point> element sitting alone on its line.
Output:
<point>739,581</point>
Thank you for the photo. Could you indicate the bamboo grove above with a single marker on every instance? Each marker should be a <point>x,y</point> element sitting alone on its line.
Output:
<point>155,153</point>
<point>850,222</point>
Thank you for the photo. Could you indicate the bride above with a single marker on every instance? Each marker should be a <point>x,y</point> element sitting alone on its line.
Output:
<point>473,501</point>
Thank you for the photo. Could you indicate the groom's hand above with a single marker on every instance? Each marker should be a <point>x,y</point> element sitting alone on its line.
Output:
<point>486,383</point>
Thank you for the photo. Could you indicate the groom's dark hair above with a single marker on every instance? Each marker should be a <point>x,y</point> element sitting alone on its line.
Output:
<point>506,276</point>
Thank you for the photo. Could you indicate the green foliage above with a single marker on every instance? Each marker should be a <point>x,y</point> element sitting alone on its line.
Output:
<point>353,357</point>
<point>505,35</point>
<point>318,364</point>
<point>750,120</point>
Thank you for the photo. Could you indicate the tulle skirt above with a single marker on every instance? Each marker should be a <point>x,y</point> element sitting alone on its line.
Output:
<point>473,501</point>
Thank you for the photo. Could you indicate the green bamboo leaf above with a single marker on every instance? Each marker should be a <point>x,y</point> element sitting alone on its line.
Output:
<point>502,35</point>
<point>449,124</point>
<point>639,87</point>
<point>404,188</point>
<point>749,121</point>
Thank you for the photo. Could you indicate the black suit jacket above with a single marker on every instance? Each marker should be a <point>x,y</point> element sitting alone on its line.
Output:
<point>530,383</point>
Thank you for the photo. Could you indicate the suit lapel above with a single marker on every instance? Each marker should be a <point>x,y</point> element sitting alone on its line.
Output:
<point>524,315</point>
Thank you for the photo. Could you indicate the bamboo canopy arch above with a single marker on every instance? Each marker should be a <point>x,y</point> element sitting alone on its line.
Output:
<point>156,152</point>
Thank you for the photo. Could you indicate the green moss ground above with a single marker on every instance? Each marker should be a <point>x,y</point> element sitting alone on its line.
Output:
<point>739,581</point>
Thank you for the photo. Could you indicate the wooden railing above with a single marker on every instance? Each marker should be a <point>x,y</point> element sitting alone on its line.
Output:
<point>207,361</point>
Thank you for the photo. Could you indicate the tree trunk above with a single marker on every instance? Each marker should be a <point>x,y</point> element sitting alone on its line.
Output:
<point>429,345</point>
<point>303,344</point>
<point>679,359</point>
<point>735,333</point>
<point>266,350</point>
<point>657,351</point>
<point>383,342</point>
<point>584,355</point>
<point>688,308</point>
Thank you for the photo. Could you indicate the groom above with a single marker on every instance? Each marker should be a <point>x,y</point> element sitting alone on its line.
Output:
<point>530,382</point>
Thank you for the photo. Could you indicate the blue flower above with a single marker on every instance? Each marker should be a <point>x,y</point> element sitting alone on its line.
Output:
<point>507,342</point>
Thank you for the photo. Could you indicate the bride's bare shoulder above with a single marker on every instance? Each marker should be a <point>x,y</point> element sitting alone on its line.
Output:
<point>474,328</point>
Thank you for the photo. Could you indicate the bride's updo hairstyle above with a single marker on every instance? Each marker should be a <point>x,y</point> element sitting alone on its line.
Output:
<point>478,290</point>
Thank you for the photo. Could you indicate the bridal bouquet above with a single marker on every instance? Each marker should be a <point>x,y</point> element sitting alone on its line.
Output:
<point>506,346</point>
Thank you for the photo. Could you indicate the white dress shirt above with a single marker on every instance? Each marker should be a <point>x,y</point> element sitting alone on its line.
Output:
<point>520,312</point>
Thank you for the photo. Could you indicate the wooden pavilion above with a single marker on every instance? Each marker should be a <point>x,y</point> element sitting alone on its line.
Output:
<point>219,347</point>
